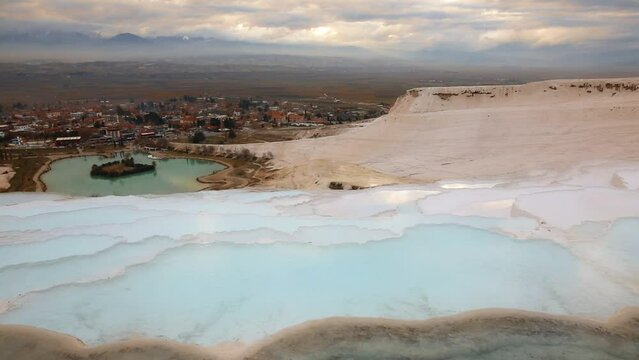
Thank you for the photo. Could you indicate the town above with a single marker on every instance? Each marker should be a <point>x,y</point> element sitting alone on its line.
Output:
<point>185,118</point>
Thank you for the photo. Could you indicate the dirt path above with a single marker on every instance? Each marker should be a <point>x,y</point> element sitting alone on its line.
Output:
<point>237,174</point>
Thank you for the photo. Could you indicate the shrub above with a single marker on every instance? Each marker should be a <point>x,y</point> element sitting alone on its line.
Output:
<point>334,185</point>
<point>246,154</point>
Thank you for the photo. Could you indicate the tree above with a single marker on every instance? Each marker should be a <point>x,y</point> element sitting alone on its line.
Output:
<point>154,118</point>
<point>245,104</point>
<point>120,111</point>
<point>138,120</point>
<point>215,122</point>
<point>162,143</point>
<point>229,123</point>
<point>198,137</point>
<point>19,106</point>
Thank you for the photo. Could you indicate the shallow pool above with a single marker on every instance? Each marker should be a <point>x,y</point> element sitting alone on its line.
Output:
<point>71,176</point>
<point>210,267</point>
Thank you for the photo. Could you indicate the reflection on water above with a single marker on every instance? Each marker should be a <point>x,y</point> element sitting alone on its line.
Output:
<point>71,176</point>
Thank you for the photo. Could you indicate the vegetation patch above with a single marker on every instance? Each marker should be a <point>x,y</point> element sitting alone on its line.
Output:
<point>120,168</point>
<point>334,185</point>
<point>471,93</point>
<point>445,96</point>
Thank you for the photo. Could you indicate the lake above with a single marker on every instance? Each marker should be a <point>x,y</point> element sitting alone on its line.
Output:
<point>71,176</point>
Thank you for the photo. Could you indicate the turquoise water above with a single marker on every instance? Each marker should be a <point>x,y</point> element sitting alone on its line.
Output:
<point>208,293</point>
<point>71,176</point>
<point>209,267</point>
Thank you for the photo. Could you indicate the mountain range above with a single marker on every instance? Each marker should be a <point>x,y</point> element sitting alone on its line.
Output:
<point>72,46</point>
<point>51,46</point>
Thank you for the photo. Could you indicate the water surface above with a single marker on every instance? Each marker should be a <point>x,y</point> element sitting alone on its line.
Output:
<point>209,267</point>
<point>207,293</point>
<point>71,176</point>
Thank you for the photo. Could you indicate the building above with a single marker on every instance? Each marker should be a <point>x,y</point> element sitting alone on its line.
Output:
<point>68,141</point>
<point>114,133</point>
<point>295,118</point>
<point>277,116</point>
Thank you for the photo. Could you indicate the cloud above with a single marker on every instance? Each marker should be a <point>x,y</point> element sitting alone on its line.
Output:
<point>382,24</point>
<point>545,36</point>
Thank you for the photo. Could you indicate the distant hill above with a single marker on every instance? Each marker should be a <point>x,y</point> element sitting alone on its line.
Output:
<point>128,38</point>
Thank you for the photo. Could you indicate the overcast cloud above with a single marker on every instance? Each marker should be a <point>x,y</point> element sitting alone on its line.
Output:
<point>381,24</point>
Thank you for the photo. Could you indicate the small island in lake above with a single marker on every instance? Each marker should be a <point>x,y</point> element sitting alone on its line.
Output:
<point>120,168</point>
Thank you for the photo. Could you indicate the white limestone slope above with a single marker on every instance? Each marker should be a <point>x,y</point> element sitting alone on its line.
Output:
<point>473,132</point>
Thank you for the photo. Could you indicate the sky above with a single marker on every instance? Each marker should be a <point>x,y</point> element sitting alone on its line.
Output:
<point>471,25</point>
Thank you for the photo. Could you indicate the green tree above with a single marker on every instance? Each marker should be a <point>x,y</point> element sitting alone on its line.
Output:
<point>198,137</point>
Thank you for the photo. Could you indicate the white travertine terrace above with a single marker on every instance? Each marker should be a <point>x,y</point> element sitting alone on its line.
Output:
<point>473,132</point>
<point>564,245</point>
